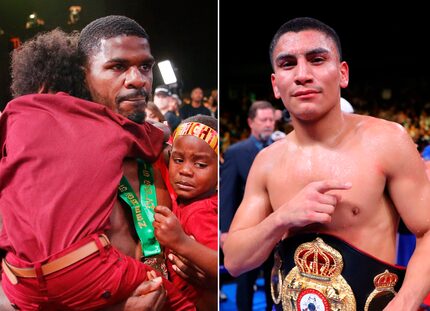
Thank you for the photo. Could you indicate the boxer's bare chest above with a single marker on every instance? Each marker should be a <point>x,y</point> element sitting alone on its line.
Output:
<point>301,166</point>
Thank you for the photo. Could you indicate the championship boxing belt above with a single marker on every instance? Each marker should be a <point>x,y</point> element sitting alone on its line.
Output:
<point>321,272</point>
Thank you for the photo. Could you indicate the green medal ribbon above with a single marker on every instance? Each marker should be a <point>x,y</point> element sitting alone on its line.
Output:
<point>143,210</point>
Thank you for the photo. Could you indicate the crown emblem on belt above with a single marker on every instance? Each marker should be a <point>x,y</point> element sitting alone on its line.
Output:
<point>385,280</point>
<point>318,260</point>
<point>384,287</point>
<point>316,282</point>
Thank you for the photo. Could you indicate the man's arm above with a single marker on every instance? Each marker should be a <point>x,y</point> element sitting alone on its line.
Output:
<point>191,272</point>
<point>253,232</point>
<point>148,296</point>
<point>427,163</point>
<point>409,189</point>
<point>256,228</point>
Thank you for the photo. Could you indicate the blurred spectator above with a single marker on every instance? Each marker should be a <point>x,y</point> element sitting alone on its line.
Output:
<point>195,107</point>
<point>153,113</point>
<point>172,116</point>
<point>212,103</point>
<point>163,99</point>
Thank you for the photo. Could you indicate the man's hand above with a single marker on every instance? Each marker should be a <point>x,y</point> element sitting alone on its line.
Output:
<point>4,302</point>
<point>313,204</point>
<point>190,272</point>
<point>148,296</point>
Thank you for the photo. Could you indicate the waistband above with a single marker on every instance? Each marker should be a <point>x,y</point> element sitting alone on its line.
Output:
<point>332,266</point>
<point>87,249</point>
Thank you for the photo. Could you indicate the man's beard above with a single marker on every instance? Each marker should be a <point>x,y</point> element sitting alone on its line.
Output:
<point>138,117</point>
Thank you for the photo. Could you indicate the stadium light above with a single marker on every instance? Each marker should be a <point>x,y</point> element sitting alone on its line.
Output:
<point>167,72</point>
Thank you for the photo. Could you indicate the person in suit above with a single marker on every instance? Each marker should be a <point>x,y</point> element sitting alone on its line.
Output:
<point>238,159</point>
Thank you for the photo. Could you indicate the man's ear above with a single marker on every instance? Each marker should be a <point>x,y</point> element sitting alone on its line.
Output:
<point>344,75</point>
<point>275,87</point>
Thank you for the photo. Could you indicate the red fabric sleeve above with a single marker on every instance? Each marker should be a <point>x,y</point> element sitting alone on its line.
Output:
<point>202,222</point>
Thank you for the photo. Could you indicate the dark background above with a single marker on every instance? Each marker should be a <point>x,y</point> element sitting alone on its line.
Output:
<point>385,45</point>
<point>183,31</point>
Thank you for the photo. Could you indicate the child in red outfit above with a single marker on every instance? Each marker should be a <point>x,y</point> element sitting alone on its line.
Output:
<point>191,230</point>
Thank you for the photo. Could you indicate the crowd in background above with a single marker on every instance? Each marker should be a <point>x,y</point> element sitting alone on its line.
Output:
<point>169,107</point>
<point>407,104</point>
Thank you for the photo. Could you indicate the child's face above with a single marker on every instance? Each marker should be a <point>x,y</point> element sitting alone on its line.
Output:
<point>193,168</point>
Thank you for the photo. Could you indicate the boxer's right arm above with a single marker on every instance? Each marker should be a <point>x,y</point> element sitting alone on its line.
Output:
<point>253,230</point>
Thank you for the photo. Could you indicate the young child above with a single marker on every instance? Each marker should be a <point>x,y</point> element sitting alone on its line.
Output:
<point>60,168</point>
<point>191,230</point>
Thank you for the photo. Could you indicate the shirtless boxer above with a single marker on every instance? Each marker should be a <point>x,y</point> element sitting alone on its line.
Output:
<point>344,175</point>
